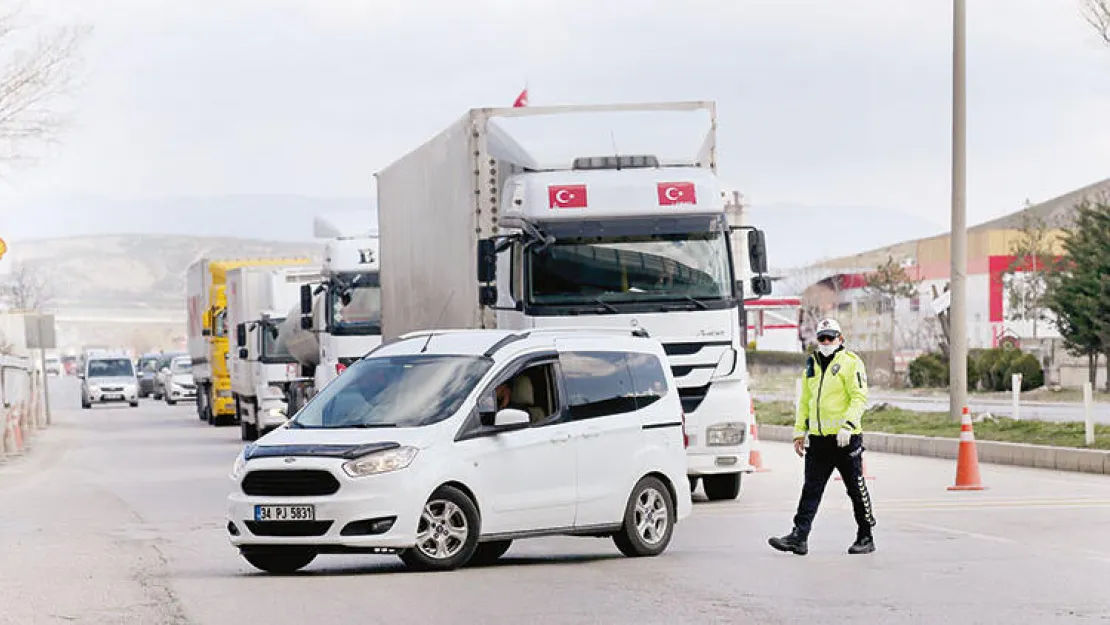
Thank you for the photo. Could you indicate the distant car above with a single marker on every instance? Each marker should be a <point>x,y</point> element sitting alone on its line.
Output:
<point>147,368</point>
<point>446,448</point>
<point>162,374</point>
<point>179,383</point>
<point>107,378</point>
<point>53,365</point>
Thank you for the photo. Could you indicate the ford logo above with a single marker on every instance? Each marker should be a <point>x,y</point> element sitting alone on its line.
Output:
<point>290,460</point>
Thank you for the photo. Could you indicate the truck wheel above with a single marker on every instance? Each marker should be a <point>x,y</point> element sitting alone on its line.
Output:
<point>721,487</point>
<point>648,520</point>
<point>248,431</point>
<point>279,560</point>
<point>200,404</point>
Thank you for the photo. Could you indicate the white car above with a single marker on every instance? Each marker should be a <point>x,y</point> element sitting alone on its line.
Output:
<point>445,447</point>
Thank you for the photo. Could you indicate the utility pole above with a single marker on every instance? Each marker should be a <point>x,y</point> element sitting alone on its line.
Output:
<point>957,369</point>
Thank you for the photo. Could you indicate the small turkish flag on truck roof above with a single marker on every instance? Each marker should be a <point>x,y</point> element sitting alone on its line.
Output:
<point>672,193</point>
<point>566,196</point>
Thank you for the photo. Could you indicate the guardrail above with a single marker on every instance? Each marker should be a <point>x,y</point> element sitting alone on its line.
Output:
<point>21,403</point>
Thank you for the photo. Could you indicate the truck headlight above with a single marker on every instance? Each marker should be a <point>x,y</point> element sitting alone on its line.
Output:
<point>725,434</point>
<point>380,462</point>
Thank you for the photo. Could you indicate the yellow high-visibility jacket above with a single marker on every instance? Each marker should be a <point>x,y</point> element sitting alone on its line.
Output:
<point>832,397</point>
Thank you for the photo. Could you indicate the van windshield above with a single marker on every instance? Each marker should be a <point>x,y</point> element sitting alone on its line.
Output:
<point>111,368</point>
<point>395,391</point>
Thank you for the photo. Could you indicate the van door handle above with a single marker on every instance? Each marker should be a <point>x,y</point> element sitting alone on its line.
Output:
<point>560,438</point>
<point>591,433</point>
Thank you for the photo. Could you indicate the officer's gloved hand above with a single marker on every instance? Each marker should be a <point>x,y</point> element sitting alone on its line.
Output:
<point>844,436</point>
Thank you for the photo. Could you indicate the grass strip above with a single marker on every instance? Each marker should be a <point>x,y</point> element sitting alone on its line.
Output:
<point>890,420</point>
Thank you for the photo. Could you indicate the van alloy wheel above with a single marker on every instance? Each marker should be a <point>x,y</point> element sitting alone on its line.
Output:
<point>649,519</point>
<point>652,516</point>
<point>443,530</point>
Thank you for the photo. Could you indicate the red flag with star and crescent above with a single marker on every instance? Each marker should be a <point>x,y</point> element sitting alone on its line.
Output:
<point>522,99</point>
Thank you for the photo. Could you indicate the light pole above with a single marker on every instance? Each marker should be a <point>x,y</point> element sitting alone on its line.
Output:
<point>957,370</point>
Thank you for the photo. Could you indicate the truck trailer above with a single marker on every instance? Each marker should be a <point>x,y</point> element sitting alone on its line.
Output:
<point>207,331</point>
<point>337,320</point>
<point>580,216</point>
<point>261,366</point>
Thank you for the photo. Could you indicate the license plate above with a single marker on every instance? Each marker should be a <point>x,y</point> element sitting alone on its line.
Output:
<point>285,513</point>
<point>113,396</point>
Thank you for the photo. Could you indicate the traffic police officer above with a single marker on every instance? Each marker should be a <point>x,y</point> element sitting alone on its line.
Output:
<point>834,396</point>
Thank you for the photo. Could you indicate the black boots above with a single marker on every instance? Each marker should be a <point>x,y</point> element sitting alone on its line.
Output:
<point>864,544</point>
<point>793,542</point>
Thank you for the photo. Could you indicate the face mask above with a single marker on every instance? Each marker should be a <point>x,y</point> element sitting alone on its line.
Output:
<point>828,349</point>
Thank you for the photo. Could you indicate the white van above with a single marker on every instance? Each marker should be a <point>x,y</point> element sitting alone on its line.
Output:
<point>444,447</point>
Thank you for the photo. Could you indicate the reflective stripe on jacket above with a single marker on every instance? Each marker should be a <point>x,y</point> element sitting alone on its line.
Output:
<point>832,398</point>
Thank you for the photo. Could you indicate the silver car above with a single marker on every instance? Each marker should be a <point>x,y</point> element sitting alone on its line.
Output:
<point>108,378</point>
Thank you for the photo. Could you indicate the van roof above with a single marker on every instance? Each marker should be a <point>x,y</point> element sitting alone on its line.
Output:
<point>490,342</point>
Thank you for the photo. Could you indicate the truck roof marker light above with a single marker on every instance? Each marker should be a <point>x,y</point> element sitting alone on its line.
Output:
<point>628,161</point>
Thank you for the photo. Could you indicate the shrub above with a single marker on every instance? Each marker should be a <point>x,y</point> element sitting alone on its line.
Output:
<point>1032,374</point>
<point>928,371</point>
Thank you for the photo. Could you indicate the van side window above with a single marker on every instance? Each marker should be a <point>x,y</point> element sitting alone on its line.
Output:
<point>649,382</point>
<point>597,384</point>
<point>532,390</point>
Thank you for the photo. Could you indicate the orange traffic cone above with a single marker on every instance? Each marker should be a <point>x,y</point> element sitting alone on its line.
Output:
<point>967,465</point>
<point>755,458</point>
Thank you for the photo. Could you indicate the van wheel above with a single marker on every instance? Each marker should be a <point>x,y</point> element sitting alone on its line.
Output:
<point>721,487</point>
<point>134,404</point>
<point>447,533</point>
<point>693,485</point>
<point>279,560</point>
<point>488,553</point>
<point>648,520</point>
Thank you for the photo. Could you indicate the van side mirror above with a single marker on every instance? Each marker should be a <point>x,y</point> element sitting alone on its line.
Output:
<point>487,261</point>
<point>241,334</point>
<point>757,251</point>
<point>306,299</point>
<point>510,419</point>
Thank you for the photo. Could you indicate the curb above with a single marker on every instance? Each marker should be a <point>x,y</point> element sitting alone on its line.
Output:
<point>992,452</point>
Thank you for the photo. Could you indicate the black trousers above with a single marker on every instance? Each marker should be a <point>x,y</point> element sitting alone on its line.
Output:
<point>822,457</point>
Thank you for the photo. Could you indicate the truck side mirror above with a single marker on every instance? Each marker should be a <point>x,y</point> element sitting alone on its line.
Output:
<point>206,332</point>
<point>487,261</point>
<point>306,299</point>
<point>757,251</point>
<point>306,322</point>
<point>242,353</point>
<point>761,285</point>
<point>241,334</point>
<point>487,295</point>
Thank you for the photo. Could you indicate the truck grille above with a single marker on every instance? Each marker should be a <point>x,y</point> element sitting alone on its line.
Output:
<point>295,483</point>
<point>289,528</point>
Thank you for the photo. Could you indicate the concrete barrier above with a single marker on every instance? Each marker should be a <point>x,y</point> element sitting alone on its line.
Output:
<point>992,452</point>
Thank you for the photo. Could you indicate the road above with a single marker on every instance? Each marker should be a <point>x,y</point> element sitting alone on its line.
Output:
<point>116,516</point>
<point>1040,411</point>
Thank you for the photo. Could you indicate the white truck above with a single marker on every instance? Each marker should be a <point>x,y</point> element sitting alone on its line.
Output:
<point>261,367</point>
<point>338,320</point>
<point>608,215</point>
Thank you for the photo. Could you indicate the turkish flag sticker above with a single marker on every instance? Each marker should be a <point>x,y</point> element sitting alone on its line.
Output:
<point>566,196</point>
<point>672,193</point>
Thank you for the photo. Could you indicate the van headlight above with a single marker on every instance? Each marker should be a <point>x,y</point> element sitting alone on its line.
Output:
<point>380,462</point>
<point>240,462</point>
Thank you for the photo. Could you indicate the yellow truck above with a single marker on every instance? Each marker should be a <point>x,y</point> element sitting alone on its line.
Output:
<point>207,332</point>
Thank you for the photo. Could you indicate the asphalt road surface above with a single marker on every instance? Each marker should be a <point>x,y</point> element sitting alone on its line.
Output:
<point>1039,411</point>
<point>116,516</point>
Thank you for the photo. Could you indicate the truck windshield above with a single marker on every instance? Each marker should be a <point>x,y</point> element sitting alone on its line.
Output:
<point>220,323</point>
<point>273,349</point>
<point>631,269</point>
<point>396,391</point>
<point>363,315</point>
<point>111,368</point>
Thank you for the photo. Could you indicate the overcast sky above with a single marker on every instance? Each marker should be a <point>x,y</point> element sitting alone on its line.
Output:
<point>820,103</point>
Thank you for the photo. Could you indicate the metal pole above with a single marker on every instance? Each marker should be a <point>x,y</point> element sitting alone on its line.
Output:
<point>957,381</point>
<point>45,378</point>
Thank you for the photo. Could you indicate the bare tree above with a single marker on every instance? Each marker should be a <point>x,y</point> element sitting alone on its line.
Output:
<point>819,291</point>
<point>38,66</point>
<point>27,288</point>
<point>889,283</point>
<point>1097,14</point>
